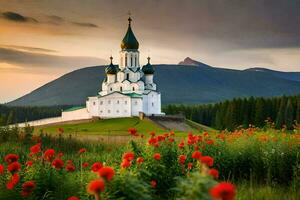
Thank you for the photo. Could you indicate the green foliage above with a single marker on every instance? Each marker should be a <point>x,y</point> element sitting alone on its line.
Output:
<point>284,111</point>
<point>15,114</point>
<point>195,187</point>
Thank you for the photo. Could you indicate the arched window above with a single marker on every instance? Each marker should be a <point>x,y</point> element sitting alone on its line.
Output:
<point>121,89</point>
<point>133,88</point>
<point>131,61</point>
<point>125,60</point>
<point>127,76</point>
<point>135,59</point>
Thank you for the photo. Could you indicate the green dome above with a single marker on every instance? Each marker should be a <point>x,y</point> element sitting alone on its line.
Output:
<point>129,42</point>
<point>111,69</point>
<point>148,68</point>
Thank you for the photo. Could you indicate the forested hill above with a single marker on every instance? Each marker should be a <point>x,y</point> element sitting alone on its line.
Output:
<point>190,82</point>
<point>281,111</point>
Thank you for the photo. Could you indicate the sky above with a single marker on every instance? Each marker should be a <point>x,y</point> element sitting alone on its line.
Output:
<point>42,40</point>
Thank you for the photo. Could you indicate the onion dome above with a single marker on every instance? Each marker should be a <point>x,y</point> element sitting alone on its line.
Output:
<point>129,42</point>
<point>148,68</point>
<point>111,69</point>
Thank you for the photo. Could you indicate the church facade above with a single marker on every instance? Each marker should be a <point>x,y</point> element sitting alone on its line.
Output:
<point>128,88</point>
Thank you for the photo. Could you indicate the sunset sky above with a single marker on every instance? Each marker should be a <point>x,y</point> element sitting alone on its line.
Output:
<point>41,40</point>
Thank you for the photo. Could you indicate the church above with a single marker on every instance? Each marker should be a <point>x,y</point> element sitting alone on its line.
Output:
<point>128,89</point>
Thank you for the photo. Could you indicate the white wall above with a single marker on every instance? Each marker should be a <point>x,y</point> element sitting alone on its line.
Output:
<point>42,122</point>
<point>75,115</point>
<point>136,106</point>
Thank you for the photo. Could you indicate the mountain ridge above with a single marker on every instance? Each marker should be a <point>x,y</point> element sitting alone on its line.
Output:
<point>193,83</point>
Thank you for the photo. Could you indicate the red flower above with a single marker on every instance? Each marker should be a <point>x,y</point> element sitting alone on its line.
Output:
<point>14,179</point>
<point>153,183</point>
<point>10,158</point>
<point>82,150</point>
<point>1,169</point>
<point>27,188</point>
<point>181,145</point>
<point>125,163</point>
<point>223,191</point>
<point>70,167</point>
<point>29,163</point>
<point>35,148</point>
<point>210,142</point>
<point>14,167</point>
<point>58,163</point>
<point>132,131</point>
<point>128,156</point>
<point>85,164</point>
<point>156,156</point>
<point>60,154</point>
<point>214,173</point>
<point>107,172</point>
<point>190,166</point>
<point>60,130</point>
<point>196,155</point>
<point>182,159</point>
<point>209,161</point>
<point>49,154</point>
<point>73,198</point>
<point>96,166</point>
<point>96,186</point>
<point>140,160</point>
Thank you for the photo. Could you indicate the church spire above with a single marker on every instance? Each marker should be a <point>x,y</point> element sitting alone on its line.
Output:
<point>129,41</point>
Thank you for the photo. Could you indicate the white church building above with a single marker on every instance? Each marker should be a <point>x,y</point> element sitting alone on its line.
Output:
<point>128,88</point>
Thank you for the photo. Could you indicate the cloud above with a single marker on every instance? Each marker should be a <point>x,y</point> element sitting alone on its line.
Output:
<point>88,25</point>
<point>41,60</point>
<point>16,17</point>
<point>30,49</point>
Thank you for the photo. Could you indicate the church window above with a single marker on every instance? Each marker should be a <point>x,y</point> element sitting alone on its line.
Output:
<point>101,102</point>
<point>121,89</point>
<point>125,60</point>
<point>133,88</point>
<point>101,111</point>
<point>125,102</point>
<point>135,102</point>
<point>94,103</point>
<point>127,76</point>
<point>110,89</point>
<point>108,101</point>
<point>135,59</point>
<point>118,102</point>
<point>131,61</point>
<point>152,104</point>
<point>117,111</point>
<point>108,111</point>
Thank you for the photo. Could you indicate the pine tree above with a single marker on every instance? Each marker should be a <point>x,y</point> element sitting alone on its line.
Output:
<point>281,113</point>
<point>288,116</point>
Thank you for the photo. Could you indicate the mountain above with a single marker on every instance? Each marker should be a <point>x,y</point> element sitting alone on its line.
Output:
<point>295,76</point>
<point>191,82</point>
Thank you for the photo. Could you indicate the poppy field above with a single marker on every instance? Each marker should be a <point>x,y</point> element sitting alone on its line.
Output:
<point>244,164</point>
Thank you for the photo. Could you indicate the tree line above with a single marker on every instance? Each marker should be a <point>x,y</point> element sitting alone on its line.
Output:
<point>282,111</point>
<point>16,114</point>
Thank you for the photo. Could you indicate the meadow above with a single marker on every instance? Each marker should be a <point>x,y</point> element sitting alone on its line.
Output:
<point>244,164</point>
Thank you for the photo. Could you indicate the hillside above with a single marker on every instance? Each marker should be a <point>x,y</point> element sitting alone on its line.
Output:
<point>119,127</point>
<point>193,82</point>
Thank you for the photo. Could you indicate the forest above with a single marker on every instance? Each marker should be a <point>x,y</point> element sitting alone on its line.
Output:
<point>282,112</point>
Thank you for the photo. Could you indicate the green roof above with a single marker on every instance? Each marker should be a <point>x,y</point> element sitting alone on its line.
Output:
<point>134,95</point>
<point>74,108</point>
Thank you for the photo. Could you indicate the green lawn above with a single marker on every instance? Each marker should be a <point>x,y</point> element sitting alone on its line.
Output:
<point>118,126</point>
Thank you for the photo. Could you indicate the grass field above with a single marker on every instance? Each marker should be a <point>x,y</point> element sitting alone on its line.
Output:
<point>262,163</point>
<point>116,127</point>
